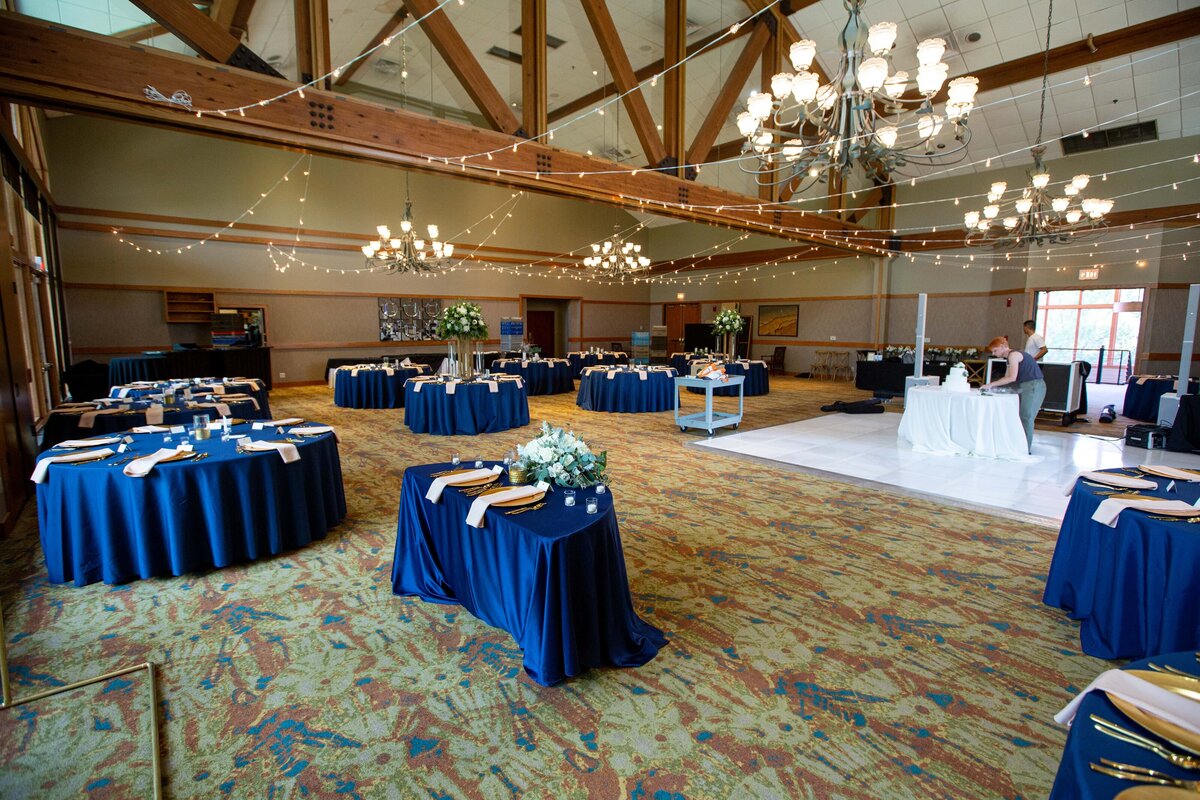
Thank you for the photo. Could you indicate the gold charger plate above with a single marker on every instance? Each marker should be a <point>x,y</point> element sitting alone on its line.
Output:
<point>477,482</point>
<point>1159,727</point>
<point>1181,513</point>
<point>1154,471</point>
<point>1182,685</point>
<point>184,456</point>
<point>520,501</point>
<point>1155,793</point>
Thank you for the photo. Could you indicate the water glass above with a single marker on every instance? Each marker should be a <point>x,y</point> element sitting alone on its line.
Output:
<point>455,459</point>
<point>508,459</point>
<point>593,505</point>
<point>479,463</point>
<point>601,488</point>
<point>568,497</point>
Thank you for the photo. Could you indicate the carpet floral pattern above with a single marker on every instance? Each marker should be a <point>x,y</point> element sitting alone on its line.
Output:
<point>825,641</point>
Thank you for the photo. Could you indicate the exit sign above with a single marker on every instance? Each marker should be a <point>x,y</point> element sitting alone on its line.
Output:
<point>1089,274</point>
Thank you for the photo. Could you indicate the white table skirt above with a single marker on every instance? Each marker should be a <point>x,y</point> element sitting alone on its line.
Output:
<point>963,423</point>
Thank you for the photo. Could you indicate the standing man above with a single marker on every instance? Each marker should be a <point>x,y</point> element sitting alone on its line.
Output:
<point>1035,343</point>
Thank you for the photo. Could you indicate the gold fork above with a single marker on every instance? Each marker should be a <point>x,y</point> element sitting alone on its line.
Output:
<point>523,510</point>
<point>1129,737</point>
<point>1131,772</point>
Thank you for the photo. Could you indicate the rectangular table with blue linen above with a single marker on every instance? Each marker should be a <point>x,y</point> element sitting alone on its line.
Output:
<point>1134,587</point>
<point>554,577</point>
<point>63,424</point>
<point>473,407</point>
<point>98,524</point>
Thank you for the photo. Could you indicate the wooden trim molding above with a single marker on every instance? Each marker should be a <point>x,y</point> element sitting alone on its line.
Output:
<point>297,292</point>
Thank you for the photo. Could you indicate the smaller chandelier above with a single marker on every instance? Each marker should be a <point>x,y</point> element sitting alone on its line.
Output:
<point>617,258</point>
<point>406,252</point>
<point>1034,216</point>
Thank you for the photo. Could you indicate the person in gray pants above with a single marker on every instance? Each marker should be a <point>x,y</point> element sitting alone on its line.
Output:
<point>1026,376</point>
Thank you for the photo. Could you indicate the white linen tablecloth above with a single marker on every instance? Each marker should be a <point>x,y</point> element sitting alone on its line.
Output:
<point>964,423</point>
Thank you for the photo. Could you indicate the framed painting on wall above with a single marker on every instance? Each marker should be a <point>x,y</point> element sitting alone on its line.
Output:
<point>778,320</point>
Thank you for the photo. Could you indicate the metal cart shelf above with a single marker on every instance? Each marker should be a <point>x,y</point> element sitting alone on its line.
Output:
<point>709,420</point>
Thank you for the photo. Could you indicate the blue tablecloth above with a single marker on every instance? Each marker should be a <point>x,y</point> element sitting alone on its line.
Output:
<point>1141,399</point>
<point>626,391</point>
<point>372,388</point>
<point>758,380</point>
<point>62,426</point>
<point>97,524</point>
<point>541,377</point>
<point>472,409</point>
<point>553,578</point>
<point>136,368</point>
<point>682,361</point>
<point>256,390</point>
<point>1076,780</point>
<point>1135,588</point>
<point>581,360</point>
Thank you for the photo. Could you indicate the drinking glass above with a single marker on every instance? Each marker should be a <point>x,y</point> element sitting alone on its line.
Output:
<point>479,463</point>
<point>569,497</point>
<point>593,505</point>
<point>455,459</point>
<point>601,488</point>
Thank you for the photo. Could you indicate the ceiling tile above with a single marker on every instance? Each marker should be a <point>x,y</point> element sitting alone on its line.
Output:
<point>1019,46</point>
<point>982,57</point>
<point>1103,20</point>
<point>1014,22</point>
<point>931,23</point>
<point>1146,10</point>
<point>965,12</point>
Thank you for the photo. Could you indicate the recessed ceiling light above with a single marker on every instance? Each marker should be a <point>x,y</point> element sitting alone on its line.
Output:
<point>974,36</point>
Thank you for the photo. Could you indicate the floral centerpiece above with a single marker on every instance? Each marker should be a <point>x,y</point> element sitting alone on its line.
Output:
<point>561,457</point>
<point>462,323</point>
<point>727,324</point>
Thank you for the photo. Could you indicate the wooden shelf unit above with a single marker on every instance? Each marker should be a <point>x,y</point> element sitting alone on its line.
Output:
<point>193,307</point>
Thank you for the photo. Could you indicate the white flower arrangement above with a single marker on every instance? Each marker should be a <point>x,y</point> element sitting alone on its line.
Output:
<point>462,320</point>
<point>563,458</point>
<point>727,321</point>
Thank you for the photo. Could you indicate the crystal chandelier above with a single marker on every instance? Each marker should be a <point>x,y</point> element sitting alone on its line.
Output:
<point>1035,217</point>
<point>617,258</point>
<point>406,252</point>
<point>802,130</point>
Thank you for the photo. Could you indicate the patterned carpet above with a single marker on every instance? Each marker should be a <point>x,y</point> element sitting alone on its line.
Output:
<point>825,642</point>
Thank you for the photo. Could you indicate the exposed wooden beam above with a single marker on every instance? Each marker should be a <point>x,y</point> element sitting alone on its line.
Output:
<point>312,40</point>
<point>868,204</point>
<point>718,110</point>
<point>464,65</point>
<point>221,12</point>
<point>533,67</point>
<point>240,25</point>
<point>202,34</point>
<point>788,34</point>
<point>622,72</point>
<point>389,28</point>
<point>47,65</point>
<point>772,64</point>
<point>655,68</point>
<point>141,33</point>
<point>674,81</point>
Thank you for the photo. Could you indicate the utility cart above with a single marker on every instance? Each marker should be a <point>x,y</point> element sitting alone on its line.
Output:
<point>709,420</point>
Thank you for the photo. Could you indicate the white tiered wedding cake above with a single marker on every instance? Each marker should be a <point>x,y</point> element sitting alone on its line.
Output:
<point>956,381</point>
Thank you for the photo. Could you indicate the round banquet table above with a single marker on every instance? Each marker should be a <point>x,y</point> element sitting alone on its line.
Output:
<point>98,524</point>
<point>1076,780</point>
<point>372,388</point>
<point>682,362</point>
<point>63,425</point>
<point>473,408</point>
<point>1134,588</point>
<point>544,376</point>
<point>943,422</point>
<point>128,369</point>
<point>626,391</point>
<point>1143,392</point>
<point>758,381</point>
<point>605,359</point>
<point>553,577</point>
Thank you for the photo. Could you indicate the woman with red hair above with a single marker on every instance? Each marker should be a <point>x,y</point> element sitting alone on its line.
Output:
<point>1024,372</point>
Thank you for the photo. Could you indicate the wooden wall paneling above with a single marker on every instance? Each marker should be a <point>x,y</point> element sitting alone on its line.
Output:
<point>16,408</point>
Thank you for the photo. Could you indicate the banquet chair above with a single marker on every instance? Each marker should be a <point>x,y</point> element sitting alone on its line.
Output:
<point>617,347</point>
<point>776,359</point>
<point>821,367</point>
<point>839,366</point>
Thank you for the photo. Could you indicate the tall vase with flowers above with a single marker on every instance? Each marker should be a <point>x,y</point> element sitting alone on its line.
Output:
<point>462,323</point>
<point>727,324</point>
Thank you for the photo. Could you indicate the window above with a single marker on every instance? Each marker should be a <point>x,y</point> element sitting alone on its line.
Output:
<point>1099,326</point>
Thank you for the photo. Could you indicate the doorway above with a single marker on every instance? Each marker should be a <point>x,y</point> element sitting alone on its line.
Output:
<point>677,317</point>
<point>1100,326</point>
<point>546,324</point>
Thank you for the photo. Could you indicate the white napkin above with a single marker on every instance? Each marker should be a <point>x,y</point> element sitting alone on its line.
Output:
<point>141,467</point>
<point>222,408</point>
<point>450,385</point>
<point>42,470</point>
<point>439,484</point>
<point>287,450</point>
<point>279,423</point>
<point>480,506</point>
<point>1161,703</point>
<point>612,373</point>
<point>492,386</point>
<point>1172,472</point>
<point>107,401</point>
<point>124,391</point>
<point>242,398</point>
<point>406,363</point>
<point>255,382</point>
<point>642,374</point>
<point>89,442</point>
<point>88,419</point>
<point>154,415</point>
<point>150,429</point>
<point>216,388</point>
<point>313,430</point>
<point>1114,479</point>
<point>1108,511</point>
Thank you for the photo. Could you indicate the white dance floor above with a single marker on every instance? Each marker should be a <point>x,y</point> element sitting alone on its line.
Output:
<point>866,448</point>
